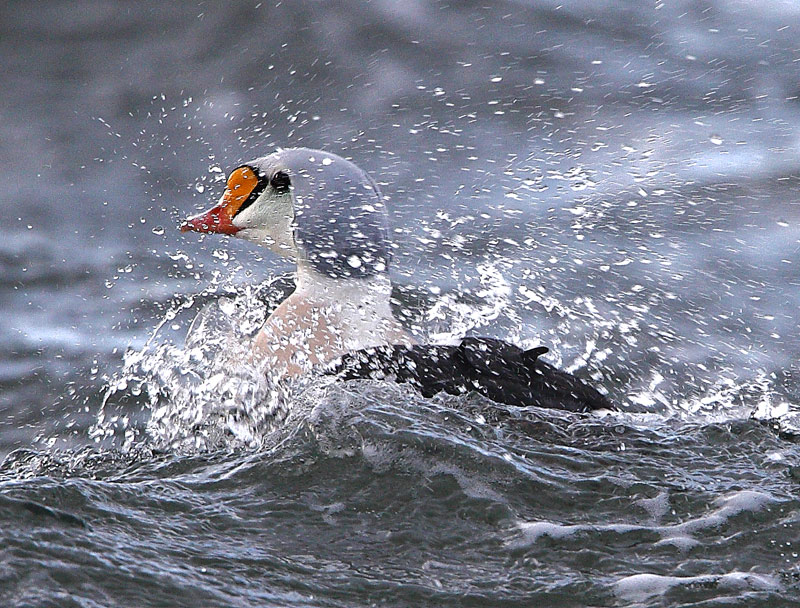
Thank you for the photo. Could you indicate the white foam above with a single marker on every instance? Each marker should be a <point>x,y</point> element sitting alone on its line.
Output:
<point>678,535</point>
<point>641,587</point>
<point>533,531</point>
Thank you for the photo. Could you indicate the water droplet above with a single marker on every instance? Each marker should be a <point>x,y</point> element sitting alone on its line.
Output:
<point>159,230</point>
<point>715,139</point>
<point>200,188</point>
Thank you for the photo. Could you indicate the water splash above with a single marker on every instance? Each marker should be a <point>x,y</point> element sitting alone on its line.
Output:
<point>205,392</point>
<point>451,316</point>
<point>778,411</point>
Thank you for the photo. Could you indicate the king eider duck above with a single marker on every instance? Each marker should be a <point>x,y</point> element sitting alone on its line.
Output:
<point>329,216</point>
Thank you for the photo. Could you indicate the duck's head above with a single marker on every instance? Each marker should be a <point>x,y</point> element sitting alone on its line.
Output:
<point>312,206</point>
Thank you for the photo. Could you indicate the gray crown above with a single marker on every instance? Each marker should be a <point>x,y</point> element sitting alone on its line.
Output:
<point>340,216</point>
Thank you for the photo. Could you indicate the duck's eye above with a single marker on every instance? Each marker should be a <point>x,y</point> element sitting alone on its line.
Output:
<point>280,181</point>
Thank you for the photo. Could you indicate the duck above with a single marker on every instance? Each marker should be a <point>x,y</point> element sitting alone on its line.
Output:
<point>329,217</point>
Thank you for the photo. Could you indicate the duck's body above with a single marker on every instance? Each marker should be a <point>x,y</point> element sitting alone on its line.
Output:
<point>328,215</point>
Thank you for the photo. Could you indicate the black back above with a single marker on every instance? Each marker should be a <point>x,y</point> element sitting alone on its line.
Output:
<point>498,370</point>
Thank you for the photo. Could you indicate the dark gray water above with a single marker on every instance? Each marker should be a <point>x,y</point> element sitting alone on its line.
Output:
<point>615,180</point>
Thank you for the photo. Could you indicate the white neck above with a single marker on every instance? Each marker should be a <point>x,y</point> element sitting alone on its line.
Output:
<point>372,293</point>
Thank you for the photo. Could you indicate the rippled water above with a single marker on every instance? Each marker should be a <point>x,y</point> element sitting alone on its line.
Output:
<point>616,182</point>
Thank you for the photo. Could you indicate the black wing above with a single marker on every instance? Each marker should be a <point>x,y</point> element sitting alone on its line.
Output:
<point>498,370</point>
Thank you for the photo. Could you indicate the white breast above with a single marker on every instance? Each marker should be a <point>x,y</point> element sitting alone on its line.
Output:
<point>325,318</point>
